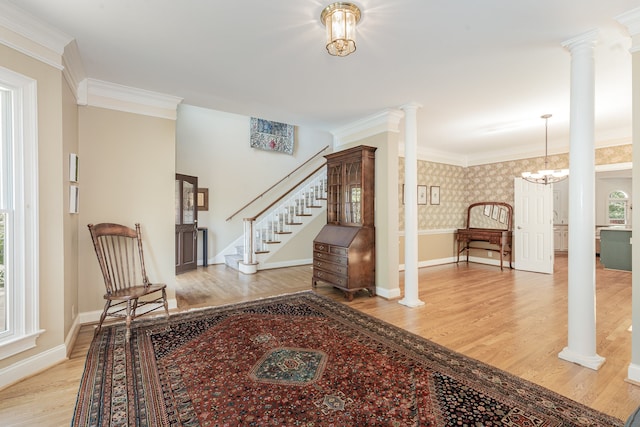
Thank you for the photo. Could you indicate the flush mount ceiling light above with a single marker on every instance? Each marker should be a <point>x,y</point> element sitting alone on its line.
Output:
<point>546,175</point>
<point>340,19</point>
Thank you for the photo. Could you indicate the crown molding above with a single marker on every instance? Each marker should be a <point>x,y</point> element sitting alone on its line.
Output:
<point>384,121</point>
<point>450,158</point>
<point>73,71</point>
<point>128,99</point>
<point>28,35</point>
<point>436,156</point>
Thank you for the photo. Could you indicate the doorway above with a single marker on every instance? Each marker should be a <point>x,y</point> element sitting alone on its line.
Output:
<point>186,219</point>
<point>533,226</point>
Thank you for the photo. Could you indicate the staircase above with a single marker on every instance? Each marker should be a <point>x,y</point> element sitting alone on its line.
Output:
<point>270,231</point>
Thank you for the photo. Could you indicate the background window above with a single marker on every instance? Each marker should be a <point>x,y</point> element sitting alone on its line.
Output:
<point>618,203</point>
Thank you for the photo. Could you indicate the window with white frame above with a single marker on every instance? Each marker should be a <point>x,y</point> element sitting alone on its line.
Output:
<point>617,208</point>
<point>19,323</point>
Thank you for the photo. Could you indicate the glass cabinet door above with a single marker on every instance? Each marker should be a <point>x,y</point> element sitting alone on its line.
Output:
<point>352,209</point>
<point>334,180</point>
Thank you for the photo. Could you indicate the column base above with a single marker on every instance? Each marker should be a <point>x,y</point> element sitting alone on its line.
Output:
<point>633,374</point>
<point>411,303</point>
<point>248,268</point>
<point>591,362</point>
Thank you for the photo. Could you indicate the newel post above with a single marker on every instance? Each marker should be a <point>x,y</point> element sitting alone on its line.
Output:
<point>248,264</point>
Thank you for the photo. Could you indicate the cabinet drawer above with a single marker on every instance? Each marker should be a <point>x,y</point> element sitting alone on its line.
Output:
<point>322,247</point>
<point>337,250</point>
<point>329,257</point>
<point>330,267</point>
<point>329,277</point>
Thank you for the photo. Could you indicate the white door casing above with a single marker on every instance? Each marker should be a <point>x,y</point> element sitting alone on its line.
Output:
<point>533,226</point>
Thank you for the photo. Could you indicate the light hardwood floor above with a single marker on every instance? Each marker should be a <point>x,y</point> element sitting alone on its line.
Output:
<point>514,320</point>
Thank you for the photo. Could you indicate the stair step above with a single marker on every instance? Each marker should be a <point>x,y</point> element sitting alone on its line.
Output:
<point>283,232</point>
<point>261,252</point>
<point>294,223</point>
<point>304,215</point>
<point>233,260</point>
<point>314,206</point>
<point>270,242</point>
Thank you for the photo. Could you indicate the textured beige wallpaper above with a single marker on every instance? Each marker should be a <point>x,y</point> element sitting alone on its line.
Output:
<point>461,186</point>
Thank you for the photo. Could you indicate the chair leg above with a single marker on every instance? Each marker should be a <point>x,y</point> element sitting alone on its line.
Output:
<point>102,317</point>
<point>130,314</point>
<point>166,307</point>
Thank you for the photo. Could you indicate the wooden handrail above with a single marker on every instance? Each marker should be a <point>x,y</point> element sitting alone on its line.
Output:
<point>274,185</point>
<point>286,194</point>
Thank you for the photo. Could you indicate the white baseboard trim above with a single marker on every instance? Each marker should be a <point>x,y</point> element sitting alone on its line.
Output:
<point>388,293</point>
<point>487,261</point>
<point>451,260</point>
<point>431,263</point>
<point>94,316</point>
<point>292,263</point>
<point>71,337</point>
<point>32,365</point>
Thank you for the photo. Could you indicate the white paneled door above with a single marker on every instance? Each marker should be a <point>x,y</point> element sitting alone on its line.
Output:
<point>533,226</point>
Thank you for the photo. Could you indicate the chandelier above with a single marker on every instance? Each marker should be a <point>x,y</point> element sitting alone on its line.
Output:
<point>340,20</point>
<point>546,175</point>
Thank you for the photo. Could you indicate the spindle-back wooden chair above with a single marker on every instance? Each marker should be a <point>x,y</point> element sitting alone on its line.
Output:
<point>121,259</point>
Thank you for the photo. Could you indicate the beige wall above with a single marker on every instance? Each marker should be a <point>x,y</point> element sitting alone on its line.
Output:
<point>300,247</point>
<point>70,145</point>
<point>433,248</point>
<point>56,281</point>
<point>214,146</point>
<point>127,175</point>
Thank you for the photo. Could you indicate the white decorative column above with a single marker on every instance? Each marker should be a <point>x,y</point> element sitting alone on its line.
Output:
<point>631,20</point>
<point>581,348</point>
<point>411,207</point>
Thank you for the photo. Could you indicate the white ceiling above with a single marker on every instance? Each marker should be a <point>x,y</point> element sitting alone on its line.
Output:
<point>483,71</point>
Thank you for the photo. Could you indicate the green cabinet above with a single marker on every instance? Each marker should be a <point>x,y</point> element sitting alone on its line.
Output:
<point>615,248</point>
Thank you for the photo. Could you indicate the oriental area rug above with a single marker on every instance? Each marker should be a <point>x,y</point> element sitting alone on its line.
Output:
<point>301,360</point>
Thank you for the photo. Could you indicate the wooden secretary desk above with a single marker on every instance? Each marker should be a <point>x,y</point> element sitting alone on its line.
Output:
<point>344,252</point>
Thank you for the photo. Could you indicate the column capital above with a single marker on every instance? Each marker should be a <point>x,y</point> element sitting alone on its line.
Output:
<point>410,106</point>
<point>631,20</point>
<point>587,39</point>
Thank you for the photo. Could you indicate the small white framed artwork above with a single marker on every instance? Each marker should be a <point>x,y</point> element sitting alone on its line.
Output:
<point>73,167</point>
<point>435,194</point>
<point>422,194</point>
<point>73,199</point>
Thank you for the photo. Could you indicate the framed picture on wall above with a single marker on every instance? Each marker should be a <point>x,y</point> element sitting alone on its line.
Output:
<point>487,210</point>
<point>202,202</point>
<point>422,194</point>
<point>435,194</point>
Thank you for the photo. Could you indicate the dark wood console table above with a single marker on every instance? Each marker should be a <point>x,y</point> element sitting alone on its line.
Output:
<point>488,222</point>
<point>205,245</point>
